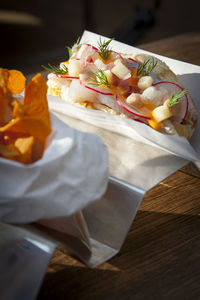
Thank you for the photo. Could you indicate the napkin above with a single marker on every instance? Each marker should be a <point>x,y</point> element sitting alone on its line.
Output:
<point>72,173</point>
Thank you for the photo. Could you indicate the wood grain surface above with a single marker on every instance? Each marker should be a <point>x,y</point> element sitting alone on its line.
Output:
<point>160,258</point>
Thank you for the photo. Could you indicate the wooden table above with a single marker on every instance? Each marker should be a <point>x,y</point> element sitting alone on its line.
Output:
<point>160,258</point>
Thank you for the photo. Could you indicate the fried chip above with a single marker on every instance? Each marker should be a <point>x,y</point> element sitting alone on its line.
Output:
<point>16,82</point>
<point>2,105</point>
<point>35,98</point>
<point>12,81</point>
<point>24,146</point>
<point>9,151</point>
<point>4,76</point>
<point>24,122</point>
<point>19,110</point>
<point>34,126</point>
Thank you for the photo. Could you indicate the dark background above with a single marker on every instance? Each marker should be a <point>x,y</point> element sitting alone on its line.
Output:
<point>36,32</point>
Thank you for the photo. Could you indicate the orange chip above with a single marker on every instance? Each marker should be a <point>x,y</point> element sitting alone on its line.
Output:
<point>19,110</point>
<point>9,151</point>
<point>12,81</point>
<point>16,82</point>
<point>36,99</point>
<point>37,150</point>
<point>24,146</point>
<point>34,126</point>
<point>4,75</point>
<point>30,148</point>
<point>24,123</point>
<point>2,105</point>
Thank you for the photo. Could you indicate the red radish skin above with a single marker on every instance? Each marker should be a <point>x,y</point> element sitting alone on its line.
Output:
<point>129,110</point>
<point>66,76</point>
<point>102,93</point>
<point>133,60</point>
<point>92,47</point>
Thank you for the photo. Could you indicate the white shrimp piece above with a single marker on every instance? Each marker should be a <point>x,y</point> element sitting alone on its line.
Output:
<point>74,67</point>
<point>134,100</point>
<point>144,82</point>
<point>79,93</point>
<point>152,95</point>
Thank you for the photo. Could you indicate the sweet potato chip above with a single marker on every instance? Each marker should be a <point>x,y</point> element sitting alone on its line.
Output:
<point>37,150</point>
<point>16,82</point>
<point>12,81</point>
<point>24,123</point>
<point>36,99</point>
<point>2,105</point>
<point>19,110</point>
<point>34,126</point>
<point>24,146</point>
<point>9,151</point>
<point>4,76</point>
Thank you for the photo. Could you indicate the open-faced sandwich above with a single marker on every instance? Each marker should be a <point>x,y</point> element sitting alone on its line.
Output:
<point>140,87</point>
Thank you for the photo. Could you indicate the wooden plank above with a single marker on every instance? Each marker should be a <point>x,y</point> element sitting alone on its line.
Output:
<point>184,47</point>
<point>159,259</point>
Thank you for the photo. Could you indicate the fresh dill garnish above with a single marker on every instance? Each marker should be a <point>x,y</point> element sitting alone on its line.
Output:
<point>56,69</point>
<point>101,79</point>
<point>176,98</point>
<point>70,49</point>
<point>104,50</point>
<point>146,67</point>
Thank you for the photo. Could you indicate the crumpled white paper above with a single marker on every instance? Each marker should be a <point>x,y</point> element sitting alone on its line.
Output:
<point>72,173</point>
<point>189,76</point>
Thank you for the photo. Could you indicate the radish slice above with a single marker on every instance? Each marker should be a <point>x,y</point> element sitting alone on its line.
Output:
<point>94,48</point>
<point>172,87</point>
<point>66,76</point>
<point>97,91</point>
<point>133,60</point>
<point>130,109</point>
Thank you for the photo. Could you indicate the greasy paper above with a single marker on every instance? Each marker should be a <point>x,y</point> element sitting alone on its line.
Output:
<point>72,173</point>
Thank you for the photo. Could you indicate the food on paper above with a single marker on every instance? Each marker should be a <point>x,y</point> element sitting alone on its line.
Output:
<point>24,121</point>
<point>139,87</point>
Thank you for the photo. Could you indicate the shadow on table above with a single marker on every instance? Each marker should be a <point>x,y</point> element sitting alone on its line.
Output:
<point>159,260</point>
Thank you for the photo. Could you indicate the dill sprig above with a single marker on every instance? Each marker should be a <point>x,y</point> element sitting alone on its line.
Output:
<point>104,48</point>
<point>101,79</point>
<point>70,49</point>
<point>146,67</point>
<point>56,69</point>
<point>176,98</point>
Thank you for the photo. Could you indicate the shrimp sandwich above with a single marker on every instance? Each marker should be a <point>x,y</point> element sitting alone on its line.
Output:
<point>139,87</point>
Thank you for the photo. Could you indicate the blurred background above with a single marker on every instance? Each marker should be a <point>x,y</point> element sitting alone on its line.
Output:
<point>37,32</point>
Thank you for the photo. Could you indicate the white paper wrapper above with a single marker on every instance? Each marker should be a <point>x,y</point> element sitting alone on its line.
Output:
<point>72,173</point>
<point>189,76</point>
